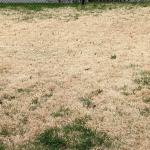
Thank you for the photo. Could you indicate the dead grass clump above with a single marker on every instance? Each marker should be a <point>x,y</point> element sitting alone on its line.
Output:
<point>4,69</point>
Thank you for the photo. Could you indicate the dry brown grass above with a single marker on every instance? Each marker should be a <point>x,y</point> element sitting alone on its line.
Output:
<point>48,64</point>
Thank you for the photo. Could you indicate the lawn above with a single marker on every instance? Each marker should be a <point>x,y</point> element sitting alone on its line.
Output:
<point>75,78</point>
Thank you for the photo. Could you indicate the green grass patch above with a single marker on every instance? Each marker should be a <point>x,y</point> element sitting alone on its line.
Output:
<point>2,146</point>
<point>87,102</point>
<point>89,6</point>
<point>34,6</point>
<point>73,136</point>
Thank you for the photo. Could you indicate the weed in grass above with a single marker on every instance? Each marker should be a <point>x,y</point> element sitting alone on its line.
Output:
<point>144,79</point>
<point>113,56</point>
<point>87,102</point>
<point>124,90</point>
<point>24,119</point>
<point>146,100</point>
<point>125,93</point>
<point>145,112</point>
<point>2,146</point>
<point>8,97</point>
<point>139,88</point>
<point>95,93</point>
<point>4,131</point>
<point>21,90</point>
<point>3,69</point>
<point>46,96</point>
<point>76,16</point>
<point>61,112</point>
<point>133,66</point>
<point>34,104</point>
<point>35,101</point>
<point>74,136</point>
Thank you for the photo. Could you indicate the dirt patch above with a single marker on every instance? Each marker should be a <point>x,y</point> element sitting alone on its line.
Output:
<point>50,63</point>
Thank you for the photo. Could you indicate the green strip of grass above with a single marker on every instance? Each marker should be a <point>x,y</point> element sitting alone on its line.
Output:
<point>34,6</point>
<point>88,6</point>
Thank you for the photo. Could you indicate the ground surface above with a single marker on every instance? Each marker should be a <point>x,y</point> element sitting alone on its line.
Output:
<point>49,63</point>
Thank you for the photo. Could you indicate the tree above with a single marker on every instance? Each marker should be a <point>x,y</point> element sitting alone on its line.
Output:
<point>82,2</point>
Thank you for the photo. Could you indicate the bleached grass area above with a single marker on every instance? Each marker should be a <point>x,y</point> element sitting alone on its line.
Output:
<point>75,79</point>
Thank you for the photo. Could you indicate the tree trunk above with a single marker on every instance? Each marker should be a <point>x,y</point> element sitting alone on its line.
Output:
<point>82,2</point>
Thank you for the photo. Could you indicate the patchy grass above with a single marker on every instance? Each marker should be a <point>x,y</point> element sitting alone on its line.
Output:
<point>73,136</point>
<point>8,97</point>
<point>50,94</point>
<point>87,102</point>
<point>61,112</point>
<point>133,66</point>
<point>46,96</point>
<point>22,90</point>
<point>37,101</point>
<point>146,100</point>
<point>3,69</point>
<point>145,111</point>
<point>144,79</point>
<point>125,90</point>
<point>2,146</point>
<point>4,131</point>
